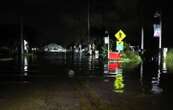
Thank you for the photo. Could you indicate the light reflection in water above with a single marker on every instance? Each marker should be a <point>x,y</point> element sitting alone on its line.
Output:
<point>25,66</point>
<point>119,83</point>
<point>159,58</point>
<point>86,64</point>
<point>114,69</point>
<point>155,84</point>
<point>106,71</point>
<point>156,89</point>
<point>164,66</point>
<point>141,72</point>
<point>92,62</point>
<point>155,79</point>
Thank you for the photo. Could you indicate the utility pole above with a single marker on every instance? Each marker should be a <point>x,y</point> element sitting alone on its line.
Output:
<point>21,36</point>
<point>88,21</point>
<point>142,39</point>
<point>158,15</point>
<point>142,27</point>
<point>160,38</point>
<point>108,42</point>
<point>21,46</point>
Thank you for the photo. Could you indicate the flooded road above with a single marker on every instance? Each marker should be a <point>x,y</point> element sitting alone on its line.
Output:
<point>66,82</point>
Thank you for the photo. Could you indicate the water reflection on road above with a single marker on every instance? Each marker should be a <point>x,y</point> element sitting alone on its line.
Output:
<point>146,76</point>
<point>88,81</point>
<point>25,66</point>
<point>114,70</point>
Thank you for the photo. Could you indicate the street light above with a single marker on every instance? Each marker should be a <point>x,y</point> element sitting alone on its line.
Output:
<point>88,20</point>
<point>158,15</point>
<point>142,40</point>
<point>158,31</point>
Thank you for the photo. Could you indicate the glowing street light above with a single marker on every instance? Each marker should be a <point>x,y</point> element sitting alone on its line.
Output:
<point>158,28</point>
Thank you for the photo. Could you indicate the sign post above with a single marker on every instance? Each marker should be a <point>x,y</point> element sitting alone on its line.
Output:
<point>107,41</point>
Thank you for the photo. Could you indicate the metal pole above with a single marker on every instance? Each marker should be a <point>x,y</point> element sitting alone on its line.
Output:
<point>21,46</point>
<point>160,43</point>
<point>141,72</point>
<point>142,39</point>
<point>21,36</point>
<point>108,46</point>
<point>160,38</point>
<point>88,20</point>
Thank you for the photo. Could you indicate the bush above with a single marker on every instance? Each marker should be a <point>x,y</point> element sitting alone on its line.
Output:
<point>169,59</point>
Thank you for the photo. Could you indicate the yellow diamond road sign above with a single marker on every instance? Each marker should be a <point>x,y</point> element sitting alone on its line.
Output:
<point>120,35</point>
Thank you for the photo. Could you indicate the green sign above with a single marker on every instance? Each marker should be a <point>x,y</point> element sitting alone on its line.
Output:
<point>119,45</point>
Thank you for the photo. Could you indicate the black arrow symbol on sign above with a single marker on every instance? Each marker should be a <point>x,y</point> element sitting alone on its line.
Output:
<point>120,34</point>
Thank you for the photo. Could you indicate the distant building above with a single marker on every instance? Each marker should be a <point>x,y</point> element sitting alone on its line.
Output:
<point>53,47</point>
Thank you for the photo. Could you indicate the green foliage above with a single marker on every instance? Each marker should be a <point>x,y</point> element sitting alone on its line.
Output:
<point>131,59</point>
<point>132,56</point>
<point>169,59</point>
<point>104,51</point>
<point>128,56</point>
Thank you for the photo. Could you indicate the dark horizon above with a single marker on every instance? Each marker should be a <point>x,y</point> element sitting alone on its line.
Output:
<point>67,21</point>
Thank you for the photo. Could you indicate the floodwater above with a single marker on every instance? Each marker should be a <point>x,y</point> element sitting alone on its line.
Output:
<point>66,82</point>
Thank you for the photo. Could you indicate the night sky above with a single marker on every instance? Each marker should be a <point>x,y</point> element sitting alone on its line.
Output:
<point>65,21</point>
